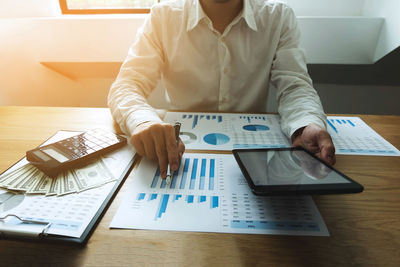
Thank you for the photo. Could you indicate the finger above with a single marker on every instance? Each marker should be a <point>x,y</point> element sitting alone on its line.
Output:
<point>160,150</point>
<point>138,145</point>
<point>181,148</point>
<point>172,147</point>
<point>149,147</point>
<point>328,152</point>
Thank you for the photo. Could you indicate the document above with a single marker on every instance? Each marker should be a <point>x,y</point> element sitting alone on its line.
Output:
<point>226,131</point>
<point>69,214</point>
<point>209,194</point>
<point>352,136</point>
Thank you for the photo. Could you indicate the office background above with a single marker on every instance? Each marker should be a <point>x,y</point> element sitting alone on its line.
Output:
<point>52,60</point>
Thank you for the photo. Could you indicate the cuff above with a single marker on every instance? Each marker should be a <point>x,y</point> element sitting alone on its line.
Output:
<point>139,117</point>
<point>303,122</point>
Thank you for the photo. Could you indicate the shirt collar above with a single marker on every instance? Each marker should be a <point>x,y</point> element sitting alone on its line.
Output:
<point>196,14</point>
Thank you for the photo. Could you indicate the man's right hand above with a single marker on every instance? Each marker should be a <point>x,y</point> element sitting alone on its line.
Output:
<point>157,141</point>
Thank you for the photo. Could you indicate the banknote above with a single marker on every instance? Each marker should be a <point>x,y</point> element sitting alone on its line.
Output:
<point>92,175</point>
<point>16,177</point>
<point>23,169</point>
<point>54,185</point>
<point>30,180</point>
<point>41,186</point>
<point>67,184</point>
<point>26,181</point>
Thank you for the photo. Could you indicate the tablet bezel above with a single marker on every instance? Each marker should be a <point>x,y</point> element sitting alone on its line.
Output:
<point>297,189</point>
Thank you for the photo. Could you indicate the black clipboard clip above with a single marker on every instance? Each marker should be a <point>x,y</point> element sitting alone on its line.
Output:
<point>22,228</point>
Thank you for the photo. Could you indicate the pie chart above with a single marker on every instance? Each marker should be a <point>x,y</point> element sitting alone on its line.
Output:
<point>9,201</point>
<point>255,128</point>
<point>216,139</point>
<point>187,137</point>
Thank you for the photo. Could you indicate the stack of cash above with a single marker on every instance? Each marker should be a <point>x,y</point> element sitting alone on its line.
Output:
<point>30,180</point>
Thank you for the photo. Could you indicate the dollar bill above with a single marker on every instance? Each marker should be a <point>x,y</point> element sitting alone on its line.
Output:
<point>23,169</point>
<point>67,184</point>
<point>54,185</point>
<point>16,177</point>
<point>41,186</point>
<point>92,175</point>
<point>29,180</point>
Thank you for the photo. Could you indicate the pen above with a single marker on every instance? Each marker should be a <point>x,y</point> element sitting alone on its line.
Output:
<point>177,128</point>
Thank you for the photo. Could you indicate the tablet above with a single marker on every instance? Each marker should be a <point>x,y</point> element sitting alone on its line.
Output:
<point>291,171</point>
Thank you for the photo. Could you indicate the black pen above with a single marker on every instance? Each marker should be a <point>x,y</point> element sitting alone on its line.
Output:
<point>177,128</point>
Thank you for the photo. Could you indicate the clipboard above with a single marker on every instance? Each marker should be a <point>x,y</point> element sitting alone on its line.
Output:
<point>16,227</point>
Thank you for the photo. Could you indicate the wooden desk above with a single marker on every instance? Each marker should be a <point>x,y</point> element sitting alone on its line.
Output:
<point>364,228</point>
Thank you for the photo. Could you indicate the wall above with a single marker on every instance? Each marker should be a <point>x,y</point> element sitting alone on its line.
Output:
<point>37,34</point>
<point>390,34</point>
<point>28,8</point>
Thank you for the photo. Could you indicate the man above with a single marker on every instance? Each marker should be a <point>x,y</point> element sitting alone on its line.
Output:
<point>217,55</point>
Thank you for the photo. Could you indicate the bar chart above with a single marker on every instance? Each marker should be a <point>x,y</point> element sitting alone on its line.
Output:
<point>193,119</point>
<point>209,193</point>
<point>353,136</point>
<point>169,199</point>
<point>228,130</point>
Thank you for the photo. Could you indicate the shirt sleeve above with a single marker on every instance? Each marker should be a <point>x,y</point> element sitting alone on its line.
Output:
<point>138,76</point>
<point>298,103</point>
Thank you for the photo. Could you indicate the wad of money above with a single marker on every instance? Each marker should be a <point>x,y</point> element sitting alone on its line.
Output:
<point>30,180</point>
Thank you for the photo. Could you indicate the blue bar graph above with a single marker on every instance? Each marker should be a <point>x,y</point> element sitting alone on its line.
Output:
<point>190,198</point>
<point>162,207</point>
<point>214,202</point>
<point>176,197</point>
<point>174,179</point>
<point>190,116</point>
<point>195,119</point>
<point>201,176</point>
<point>184,116</point>
<point>202,173</point>
<point>193,176</point>
<point>155,179</point>
<point>163,183</point>
<point>219,119</point>
<point>331,125</point>
<point>208,117</point>
<point>211,181</point>
<point>184,174</point>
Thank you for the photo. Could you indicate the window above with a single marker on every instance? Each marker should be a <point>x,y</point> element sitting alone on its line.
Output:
<point>106,6</point>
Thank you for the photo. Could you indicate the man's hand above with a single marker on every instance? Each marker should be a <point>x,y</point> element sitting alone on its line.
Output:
<point>157,141</point>
<point>317,140</point>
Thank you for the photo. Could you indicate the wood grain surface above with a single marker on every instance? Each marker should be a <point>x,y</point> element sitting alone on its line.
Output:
<point>364,228</point>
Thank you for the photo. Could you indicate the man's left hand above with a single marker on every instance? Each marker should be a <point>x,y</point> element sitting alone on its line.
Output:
<point>316,140</point>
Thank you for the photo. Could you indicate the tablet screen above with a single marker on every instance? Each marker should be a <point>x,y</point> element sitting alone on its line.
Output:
<point>287,167</point>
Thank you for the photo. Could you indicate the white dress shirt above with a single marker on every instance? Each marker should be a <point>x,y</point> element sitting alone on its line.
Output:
<point>204,70</point>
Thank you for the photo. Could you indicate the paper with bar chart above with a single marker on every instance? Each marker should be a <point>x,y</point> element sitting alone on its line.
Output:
<point>209,194</point>
<point>352,136</point>
<point>225,131</point>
